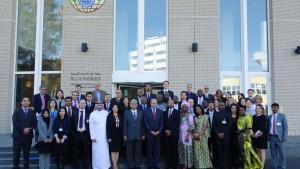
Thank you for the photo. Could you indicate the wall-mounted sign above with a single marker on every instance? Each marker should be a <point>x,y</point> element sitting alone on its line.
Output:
<point>87,6</point>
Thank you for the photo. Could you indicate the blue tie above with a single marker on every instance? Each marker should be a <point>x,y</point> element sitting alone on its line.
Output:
<point>81,120</point>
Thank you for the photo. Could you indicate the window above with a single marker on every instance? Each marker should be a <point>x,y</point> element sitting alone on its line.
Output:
<point>38,60</point>
<point>139,33</point>
<point>244,47</point>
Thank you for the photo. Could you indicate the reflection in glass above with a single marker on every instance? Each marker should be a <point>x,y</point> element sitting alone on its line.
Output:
<point>51,82</point>
<point>257,35</point>
<point>230,30</point>
<point>24,88</point>
<point>232,85</point>
<point>52,34</point>
<point>259,85</point>
<point>126,33</point>
<point>155,35</point>
<point>26,35</point>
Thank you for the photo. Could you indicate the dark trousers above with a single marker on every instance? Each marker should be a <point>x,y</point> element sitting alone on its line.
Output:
<point>18,144</point>
<point>133,153</point>
<point>171,151</point>
<point>212,150</point>
<point>223,153</point>
<point>153,151</point>
<point>82,150</point>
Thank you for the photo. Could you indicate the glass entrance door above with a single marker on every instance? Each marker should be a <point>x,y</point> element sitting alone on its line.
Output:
<point>130,89</point>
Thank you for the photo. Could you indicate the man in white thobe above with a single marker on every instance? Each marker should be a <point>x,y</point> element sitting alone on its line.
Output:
<point>100,150</point>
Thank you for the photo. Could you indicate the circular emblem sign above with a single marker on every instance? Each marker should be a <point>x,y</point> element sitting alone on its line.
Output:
<point>87,6</point>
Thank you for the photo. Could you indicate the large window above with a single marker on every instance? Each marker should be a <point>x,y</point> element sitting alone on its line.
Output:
<point>140,35</point>
<point>38,58</point>
<point>244,50</point>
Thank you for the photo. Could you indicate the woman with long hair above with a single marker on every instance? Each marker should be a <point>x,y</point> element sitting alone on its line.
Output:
<point>60,100</point>
<point>53,109</point>
<point>260,133</point>
<point>61,131</point>
<point>114,132</point>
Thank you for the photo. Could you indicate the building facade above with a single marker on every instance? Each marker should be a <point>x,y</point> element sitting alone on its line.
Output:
<point>241,45</point>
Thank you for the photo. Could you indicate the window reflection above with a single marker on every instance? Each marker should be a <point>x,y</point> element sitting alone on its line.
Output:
<point>26,35</point>
<point>257,36</point>
<point>230,30</point>
<point>52,34</point>
<point>125,34</point>
<point>24,88</point>
<point>51,82</point>
<point>231,85</point>
<point>259,85</point>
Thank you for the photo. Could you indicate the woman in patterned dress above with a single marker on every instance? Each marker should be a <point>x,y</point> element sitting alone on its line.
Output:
<point>185,143</point>
<point>201,133</point>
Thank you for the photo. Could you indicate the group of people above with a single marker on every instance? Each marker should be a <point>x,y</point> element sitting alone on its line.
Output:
<point>199,130</point>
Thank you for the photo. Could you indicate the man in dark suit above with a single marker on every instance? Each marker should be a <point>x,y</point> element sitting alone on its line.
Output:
<point>154,128</point>
<point>89,104</point>
<point>24,121</point>
<point>98,94</point>
<point>144,106</point>
<point>70,109</point>
<point>107,100</point>
<point>221,127</point>
<point>171,128</point>
<point>148,93</point>
<point>211,140</point>
<point>207,96</point>
<point>78,89</point>
<point>166,90</point>
<point>134,133</point>
<point>190,94</point>
<point>140,93</point>
<point>40,100</point>
<point>75,102</point>
<point>118,100</point>
<point>81,136</point>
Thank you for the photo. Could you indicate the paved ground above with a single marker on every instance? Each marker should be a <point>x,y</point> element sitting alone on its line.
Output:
<point>292,148</point>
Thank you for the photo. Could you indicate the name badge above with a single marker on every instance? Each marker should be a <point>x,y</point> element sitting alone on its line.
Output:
<point>224,122</point>
<point>278,124</point>
<point>60,129</point>
<point>87,121</point>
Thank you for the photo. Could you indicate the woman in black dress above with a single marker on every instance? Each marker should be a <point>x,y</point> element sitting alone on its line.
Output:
<point>260,133</point>
<point>114,133</point>
<point>233,109</point>
<point>61,131</point>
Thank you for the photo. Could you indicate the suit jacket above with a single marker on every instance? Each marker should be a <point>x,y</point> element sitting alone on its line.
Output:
<point>91,108</point>
<point>154,123</point>
<point>212,133</point>
<point>221,126</point>
<point>65,124</point>
<point>138,100</point>
<point>107,108</point>
<point>74,110</point>
<point>133,129</point>
<point>21,120</point>
<point>209,97</point>
<point>75,119</point>
<point>44,132</point>
<point>171,93</point>
<point>152,96</point>
<point>172,123</point>
<point>102,94</point>
<point>281,126</point>
<point>115,102</point>
<point>37,102</point>
<point>81,96</point>
<point>140,107</point>
<point>193,96</point>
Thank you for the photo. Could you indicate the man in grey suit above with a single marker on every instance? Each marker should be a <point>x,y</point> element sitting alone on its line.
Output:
<point>133,132</point>
<point>278,132</point>
<point>98,94</point>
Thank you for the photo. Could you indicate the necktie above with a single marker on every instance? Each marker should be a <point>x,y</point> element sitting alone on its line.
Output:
<point>59,104</point>
<point>144,107</point>
<point>69,111</point>
<point>75,104</point>
<point>154,113</point>
<point>25,111</point>
<point>148,95</point>
<point>107,107</point>
<point>81,120</point>
<point>274,122</point>
<point>170,113</point>
<point>134,115</point>
<point>43,101</point>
